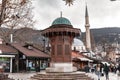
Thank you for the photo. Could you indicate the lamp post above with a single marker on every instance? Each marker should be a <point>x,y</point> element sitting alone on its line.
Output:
<point>43,44</point>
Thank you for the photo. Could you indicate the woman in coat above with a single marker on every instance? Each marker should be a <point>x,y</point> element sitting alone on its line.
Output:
<point>106,71</point>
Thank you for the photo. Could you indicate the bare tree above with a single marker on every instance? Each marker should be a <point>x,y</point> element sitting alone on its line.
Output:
<point>15,14</point>
<point>24,34</point>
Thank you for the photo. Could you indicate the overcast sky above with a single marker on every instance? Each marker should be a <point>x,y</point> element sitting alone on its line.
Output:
<point>102,13</point>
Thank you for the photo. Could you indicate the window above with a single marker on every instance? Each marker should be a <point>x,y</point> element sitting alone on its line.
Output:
<point>53,49</point>
<point>67,49</point>
<point>60,39</point>
<point>59,49</point>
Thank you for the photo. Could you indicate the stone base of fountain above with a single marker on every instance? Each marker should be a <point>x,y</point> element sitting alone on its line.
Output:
<point>61,67</point>
<point>61,76</point>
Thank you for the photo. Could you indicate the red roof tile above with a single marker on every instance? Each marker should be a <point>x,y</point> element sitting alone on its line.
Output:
<point>76,54</point>
<point>7,49</point>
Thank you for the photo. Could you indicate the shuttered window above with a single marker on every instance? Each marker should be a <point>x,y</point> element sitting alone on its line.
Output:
<point>59,49</point>
<point>67,49</point>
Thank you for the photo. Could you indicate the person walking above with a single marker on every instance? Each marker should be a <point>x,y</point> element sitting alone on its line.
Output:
<point>118,68</point>
<point>106,71</point>
<point>87,69</point>
<point>101,69</point>
<point>98,71</point>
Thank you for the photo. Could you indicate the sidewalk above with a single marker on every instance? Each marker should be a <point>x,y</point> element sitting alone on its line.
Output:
<point>112,76</point>
<point>21,76</point>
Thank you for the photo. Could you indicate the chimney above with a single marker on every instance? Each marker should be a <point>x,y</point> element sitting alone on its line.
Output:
<point>30,47</point>
<point>11,38</point>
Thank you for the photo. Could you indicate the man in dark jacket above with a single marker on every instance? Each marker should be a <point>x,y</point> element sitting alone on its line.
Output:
<point>106,70</point>
<point>87,68</point>
<point>118,68</point>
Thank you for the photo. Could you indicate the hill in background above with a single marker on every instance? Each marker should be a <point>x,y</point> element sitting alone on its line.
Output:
<point>27,34</point>
<point>109,34</point>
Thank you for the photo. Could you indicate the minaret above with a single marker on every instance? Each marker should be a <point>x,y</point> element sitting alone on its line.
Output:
<point>87,25</point>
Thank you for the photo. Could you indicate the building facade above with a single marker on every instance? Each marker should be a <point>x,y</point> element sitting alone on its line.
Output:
<point>22,57</point>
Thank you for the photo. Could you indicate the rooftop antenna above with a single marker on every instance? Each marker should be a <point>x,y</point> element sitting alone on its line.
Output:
<point>60,13</point>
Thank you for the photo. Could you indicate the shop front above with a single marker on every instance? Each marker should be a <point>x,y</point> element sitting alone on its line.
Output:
<point>6,63</point>
<point>30,58</point>
<point>36,64</point>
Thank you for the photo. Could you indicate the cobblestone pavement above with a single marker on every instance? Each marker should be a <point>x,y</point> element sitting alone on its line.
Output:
<point>26,76</point>
<point>21,76</point>
<point>112,76</point>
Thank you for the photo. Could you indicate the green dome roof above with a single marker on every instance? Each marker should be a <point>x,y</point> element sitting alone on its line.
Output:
<point>61,20</point>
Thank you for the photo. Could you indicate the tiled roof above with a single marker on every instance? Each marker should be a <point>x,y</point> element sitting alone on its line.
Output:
<point>7,49</point>
<point>29,52</point>
<point>76,54</point>
<point>79,56</point>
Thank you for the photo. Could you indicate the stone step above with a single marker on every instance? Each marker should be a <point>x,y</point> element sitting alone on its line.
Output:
<point>59,79</point>
<point>62,79</point>
<point>53,79</point>
<point>84,79</point>
<point>61,76</point>
<point>54,76</point>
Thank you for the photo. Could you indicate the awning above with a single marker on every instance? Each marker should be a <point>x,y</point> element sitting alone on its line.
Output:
<point>7,55</point>
<point>85,59</point>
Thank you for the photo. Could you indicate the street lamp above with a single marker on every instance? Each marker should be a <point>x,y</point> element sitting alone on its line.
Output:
<point>43,44</point>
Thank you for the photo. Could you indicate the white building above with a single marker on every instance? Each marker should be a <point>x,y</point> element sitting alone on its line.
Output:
<point>78,45</point>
